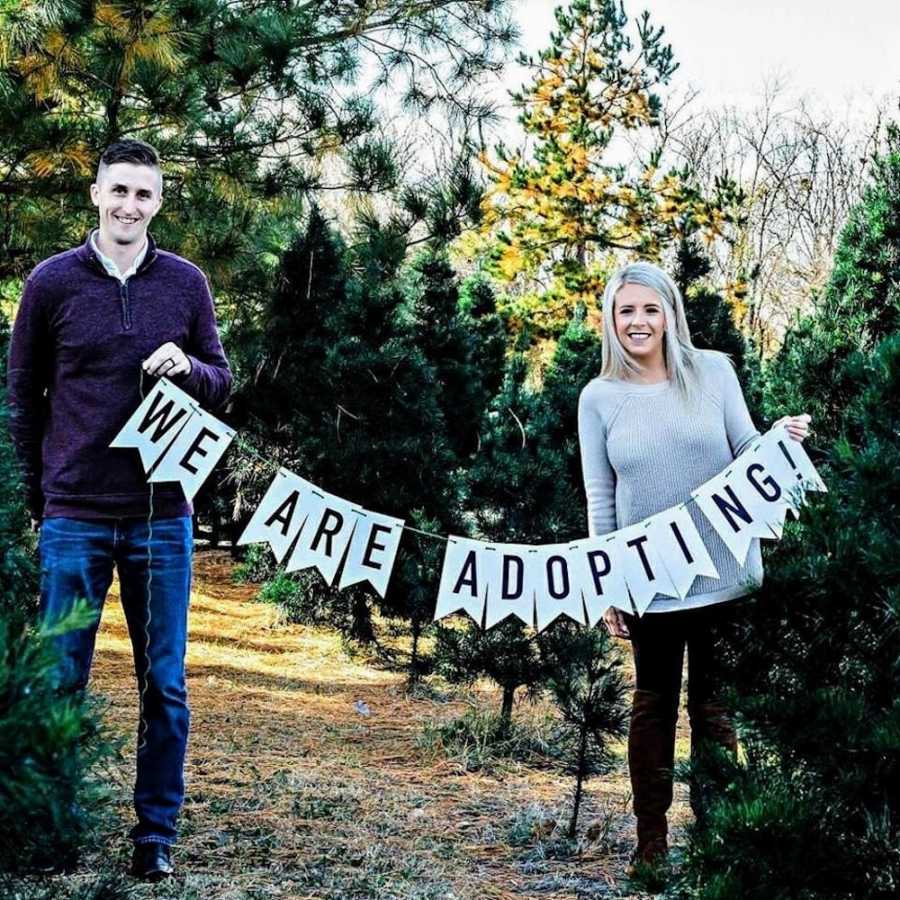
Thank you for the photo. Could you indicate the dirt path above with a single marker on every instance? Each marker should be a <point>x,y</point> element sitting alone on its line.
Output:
<point>292,792</point>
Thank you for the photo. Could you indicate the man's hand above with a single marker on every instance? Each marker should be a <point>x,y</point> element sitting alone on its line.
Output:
<point>797,426</point>
<point>167,361</point>
<point>615,623</point>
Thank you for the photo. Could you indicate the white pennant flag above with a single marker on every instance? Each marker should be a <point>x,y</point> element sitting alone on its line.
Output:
<point>767,452</point>
<point>463,579</point>
<point>762,495</point>
<point>278,517</point>
<point>727,512</point>
<point>645,573</point>
<point>194,453</point>
<point>796,457</point>
<point>373,549</point>
<point>514,594</point>
<point>681,548</point>
<point>328,524</point>
<point>156,423</point>
<point>599,574</point>
<point>556,592</point>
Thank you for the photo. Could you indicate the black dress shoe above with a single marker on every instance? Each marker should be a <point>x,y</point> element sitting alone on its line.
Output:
<point>151,861</point>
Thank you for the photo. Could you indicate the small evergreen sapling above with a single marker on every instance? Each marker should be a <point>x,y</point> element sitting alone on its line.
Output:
<point>584,676</point>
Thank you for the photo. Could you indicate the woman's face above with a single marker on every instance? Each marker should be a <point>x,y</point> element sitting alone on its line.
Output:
<point>640,322</point>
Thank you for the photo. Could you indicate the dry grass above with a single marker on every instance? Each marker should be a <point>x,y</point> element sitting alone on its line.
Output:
<point>293,793</point>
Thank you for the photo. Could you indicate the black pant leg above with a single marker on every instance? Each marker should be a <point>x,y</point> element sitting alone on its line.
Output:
<point>658,642</point>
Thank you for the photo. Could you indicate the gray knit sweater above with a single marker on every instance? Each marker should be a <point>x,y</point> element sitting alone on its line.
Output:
<point>643,450</point>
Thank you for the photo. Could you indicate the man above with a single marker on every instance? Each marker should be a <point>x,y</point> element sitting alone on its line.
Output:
<point>94,325</point>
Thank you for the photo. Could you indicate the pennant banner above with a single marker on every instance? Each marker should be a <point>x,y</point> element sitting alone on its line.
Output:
<point>328,525</point>
<point>681,548</point>
<point>513,592</point>
<point>598,571</point>
<point>156,423</point>
<point>307,527</point>
<point>463,584</point>
<point>725,511</point>
<point>645,572</point>
<point>194,453</point>
<point>556,592</point>
<point>373,549</point>
<point>277,520</point>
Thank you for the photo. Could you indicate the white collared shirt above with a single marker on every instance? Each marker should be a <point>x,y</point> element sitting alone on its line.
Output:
<point>110,265</point>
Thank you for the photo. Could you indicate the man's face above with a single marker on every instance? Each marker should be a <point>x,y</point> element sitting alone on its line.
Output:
<point>127,196</point>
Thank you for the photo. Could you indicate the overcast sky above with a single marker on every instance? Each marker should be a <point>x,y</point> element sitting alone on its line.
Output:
<point>833,50</point>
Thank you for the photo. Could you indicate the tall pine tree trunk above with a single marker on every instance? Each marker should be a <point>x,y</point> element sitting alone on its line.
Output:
<point>582,754</point>
<point>509,692</point>
<point>413,677</point>
<point>361,625</point>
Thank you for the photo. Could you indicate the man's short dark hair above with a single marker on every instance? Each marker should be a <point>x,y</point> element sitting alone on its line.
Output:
<point>130,150</point>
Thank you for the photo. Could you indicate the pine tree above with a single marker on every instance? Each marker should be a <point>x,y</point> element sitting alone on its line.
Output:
<point>859,307</point>
<point>367,384</point>
<point>585,680</point>
<point>815,810</point>
<point>253,106</point>
<point>713,319</point>
<point>507,654</point>
<point>524,486</point>
<point>51,802</point>
<point>557,218</point>
<point>525,483</point>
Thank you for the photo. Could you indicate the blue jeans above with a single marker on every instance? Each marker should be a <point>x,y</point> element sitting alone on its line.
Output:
<point>77,559</point>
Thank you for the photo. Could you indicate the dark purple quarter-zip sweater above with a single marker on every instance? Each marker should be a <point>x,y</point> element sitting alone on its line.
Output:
<point>74,377</point>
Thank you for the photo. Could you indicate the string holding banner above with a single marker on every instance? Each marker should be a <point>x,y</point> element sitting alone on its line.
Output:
<point>660,556</point>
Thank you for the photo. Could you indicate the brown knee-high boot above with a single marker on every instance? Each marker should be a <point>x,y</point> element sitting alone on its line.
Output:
<point>711,727</point>
<point>651,757</point>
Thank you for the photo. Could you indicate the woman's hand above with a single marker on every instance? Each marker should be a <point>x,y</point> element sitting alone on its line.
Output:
<point>615,623</point>
<point>797,426</point>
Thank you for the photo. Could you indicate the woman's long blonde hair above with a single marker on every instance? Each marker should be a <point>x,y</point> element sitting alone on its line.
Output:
<point>681,356</point>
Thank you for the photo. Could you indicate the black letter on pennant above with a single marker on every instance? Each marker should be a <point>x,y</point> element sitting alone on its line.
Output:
<point>564,568</point>
<point>607,565</point>
<point>638,542</point>
<point>371,545</point>
<point>196,448</point>
<point>326,532</point>
<point>163,414</point>
<point>735,507</point>
<point>505,592</point>
<point>472,578</point>
<point>681,542</point>
<point>284,513</point>
<point>770,482</point>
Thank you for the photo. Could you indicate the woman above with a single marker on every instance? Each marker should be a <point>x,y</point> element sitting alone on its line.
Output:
<point>661,419</point>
